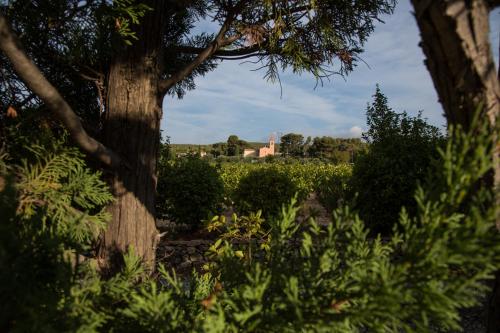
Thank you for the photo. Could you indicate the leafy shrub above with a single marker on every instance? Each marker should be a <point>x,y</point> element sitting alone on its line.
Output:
<point>189,190</point>
<point>52,210</point>
<point>339,280</point>
<point>264,189</point>
<point>385,177</point>
<point>333,190</point>
<point>332,279</point>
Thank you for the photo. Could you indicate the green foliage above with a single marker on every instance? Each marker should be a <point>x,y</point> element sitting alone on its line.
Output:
<point>336,150</point>
<point>306,176</point>
<point>326,30</point>
<point>56,39</point>
<point>53,180</point>
<point>333,279</point>
<point>400,154</point>
<point>218,149</point>
<point>234,146</point>
<point>188,190</point>
<point>248,229</point>
<point>334,190</point>
<point>338,280</point>
<point>126,14</point>
<point>292,144</point>
<point>165,153</point>
<point>65,188</point>
<point>52,210</point>
<point>265,189</point>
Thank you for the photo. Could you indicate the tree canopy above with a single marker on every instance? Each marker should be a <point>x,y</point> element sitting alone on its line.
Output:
<point>292,144</point>
<point>400,156</point>
<point>74,41</point>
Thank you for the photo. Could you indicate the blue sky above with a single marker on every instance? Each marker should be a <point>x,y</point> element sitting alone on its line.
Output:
<point>233,99</point>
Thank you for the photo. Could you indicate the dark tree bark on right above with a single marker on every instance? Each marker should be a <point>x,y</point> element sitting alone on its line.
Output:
<point>455,40</point>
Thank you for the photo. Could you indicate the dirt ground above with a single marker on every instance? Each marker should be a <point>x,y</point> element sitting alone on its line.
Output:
<point>312,207</point>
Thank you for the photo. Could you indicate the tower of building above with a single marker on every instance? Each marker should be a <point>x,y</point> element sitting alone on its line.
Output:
<point>271,144</point>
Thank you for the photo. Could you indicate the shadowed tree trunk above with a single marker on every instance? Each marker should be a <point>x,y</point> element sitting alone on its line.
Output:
<point>132,128</point>
<point>455,40</point>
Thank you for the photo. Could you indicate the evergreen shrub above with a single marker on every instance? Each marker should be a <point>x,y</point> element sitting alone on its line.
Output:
<point>51,212</point>
<point>333,279</point>
<point>311,279</point>
<point>400,154</point>
<point>189,190</point>
<point>265,189</point>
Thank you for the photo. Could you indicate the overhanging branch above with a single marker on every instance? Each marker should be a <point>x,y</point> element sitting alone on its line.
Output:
<point>38,84</point>
<point>221,53</point>
<point>205,53</point>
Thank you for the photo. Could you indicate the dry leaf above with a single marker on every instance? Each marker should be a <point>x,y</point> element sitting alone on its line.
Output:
<point>254,34</point>
<point>208,302</point>
<point>345,56</point>
<point>337,306</point>
<point>11,112</point>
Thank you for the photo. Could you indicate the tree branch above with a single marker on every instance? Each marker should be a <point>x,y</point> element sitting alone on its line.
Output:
<point>223,53</point>
<point>218,42</point>
<point>214,48</point>
<point>493,4</point>
<point>39,85</point>
<point>259,55</point>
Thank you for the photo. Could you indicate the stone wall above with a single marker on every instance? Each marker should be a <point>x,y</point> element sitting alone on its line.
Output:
<point>183,255</point>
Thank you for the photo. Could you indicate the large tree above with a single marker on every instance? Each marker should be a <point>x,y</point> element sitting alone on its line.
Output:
<point>323,37</point>
<point>233,145</point>
<point>292,144</point>
<point>455,41</point>
<point>385,176</point>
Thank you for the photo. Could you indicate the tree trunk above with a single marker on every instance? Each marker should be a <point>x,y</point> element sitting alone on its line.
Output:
<point>132,128</point>
<point>459,58</point>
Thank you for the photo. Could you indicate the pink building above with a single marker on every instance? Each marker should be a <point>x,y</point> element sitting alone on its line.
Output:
<point>261,152</point>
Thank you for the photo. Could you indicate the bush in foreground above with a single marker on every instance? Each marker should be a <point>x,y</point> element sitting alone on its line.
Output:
<point>51,212</point>
<point>386,176</point>
<point>189,190</point>
<point>313,279</point>
<point>266,190</point>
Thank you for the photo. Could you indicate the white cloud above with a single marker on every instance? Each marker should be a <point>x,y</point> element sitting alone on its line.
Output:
<point>356,131</point>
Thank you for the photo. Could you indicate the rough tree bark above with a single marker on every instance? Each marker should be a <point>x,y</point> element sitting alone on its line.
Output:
<point>455,40</point>
<point>132,128</point>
